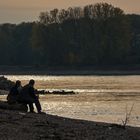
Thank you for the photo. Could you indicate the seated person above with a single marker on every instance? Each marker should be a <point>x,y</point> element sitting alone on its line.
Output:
<point>14,93</point>
<point>29,97</point>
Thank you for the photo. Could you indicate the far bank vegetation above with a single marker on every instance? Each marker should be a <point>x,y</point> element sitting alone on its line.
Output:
<point>94,35</point>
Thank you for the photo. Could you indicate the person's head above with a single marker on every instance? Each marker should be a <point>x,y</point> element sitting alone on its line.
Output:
<point>31,82</point>
<point>18,83</point>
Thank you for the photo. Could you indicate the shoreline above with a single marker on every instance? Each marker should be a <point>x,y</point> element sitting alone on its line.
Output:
<point>73,72</point>
<point>64,71</point>
<point>17,125</point>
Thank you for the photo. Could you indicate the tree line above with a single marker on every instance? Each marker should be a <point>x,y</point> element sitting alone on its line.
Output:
<point>98,34</point>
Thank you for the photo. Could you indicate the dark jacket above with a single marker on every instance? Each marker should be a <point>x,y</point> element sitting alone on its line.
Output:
<point>27,94</point>
<point>13,95</point>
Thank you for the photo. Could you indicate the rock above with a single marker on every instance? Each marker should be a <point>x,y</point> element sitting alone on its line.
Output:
<point>4,92</point>
<point>5,84</point>
<point>63,92</point>
<point>17,106</point>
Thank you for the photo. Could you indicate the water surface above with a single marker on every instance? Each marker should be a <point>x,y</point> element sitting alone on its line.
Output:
<point>99,98</point>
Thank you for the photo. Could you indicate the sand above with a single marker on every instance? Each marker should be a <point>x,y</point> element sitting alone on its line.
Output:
<point>16,125</point>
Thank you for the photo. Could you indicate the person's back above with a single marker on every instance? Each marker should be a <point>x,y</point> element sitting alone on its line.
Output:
<point>14,93</point>
<point>28,96</point>
<point>27,93</point>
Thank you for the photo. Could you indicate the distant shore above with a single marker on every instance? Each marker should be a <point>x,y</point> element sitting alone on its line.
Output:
<point>43,70</point>
<point>16,125</point>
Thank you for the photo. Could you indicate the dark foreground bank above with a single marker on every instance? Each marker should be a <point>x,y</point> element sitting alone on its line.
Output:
<point>19,126</point>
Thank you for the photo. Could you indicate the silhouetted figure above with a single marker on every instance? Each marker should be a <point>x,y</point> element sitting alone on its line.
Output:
<point>14,93</point>
<point>28,96</point>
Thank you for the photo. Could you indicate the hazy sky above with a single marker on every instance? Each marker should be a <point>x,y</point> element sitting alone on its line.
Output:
<point>15,11</point>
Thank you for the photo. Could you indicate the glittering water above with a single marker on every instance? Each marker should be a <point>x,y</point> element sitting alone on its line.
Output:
<point>99,98</point>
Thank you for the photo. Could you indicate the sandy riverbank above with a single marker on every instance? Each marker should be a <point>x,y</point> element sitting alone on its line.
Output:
<point>19,126</point>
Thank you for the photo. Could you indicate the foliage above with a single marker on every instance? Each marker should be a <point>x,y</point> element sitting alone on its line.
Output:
<point>97,34</point>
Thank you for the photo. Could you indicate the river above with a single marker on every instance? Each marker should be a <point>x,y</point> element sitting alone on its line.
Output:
<point>99,98</point>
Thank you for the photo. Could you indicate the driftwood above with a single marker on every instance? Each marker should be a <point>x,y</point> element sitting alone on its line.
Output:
<point>17,106</point>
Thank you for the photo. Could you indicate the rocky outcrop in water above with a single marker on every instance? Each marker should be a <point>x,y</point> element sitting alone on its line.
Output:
<point>58,92</point>
<point>5,84</point>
